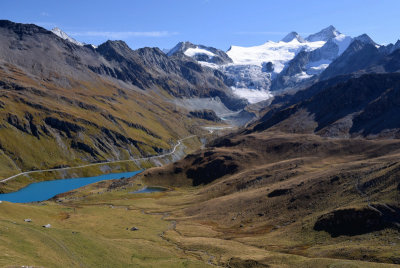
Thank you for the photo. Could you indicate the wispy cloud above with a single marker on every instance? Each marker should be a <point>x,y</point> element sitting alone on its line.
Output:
<point>260,33</point>
<point>123,35</point>
<point>266,33</point>
<point>44,14</point>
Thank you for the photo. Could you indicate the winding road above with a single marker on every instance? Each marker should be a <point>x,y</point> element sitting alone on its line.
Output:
<point>102,163</point>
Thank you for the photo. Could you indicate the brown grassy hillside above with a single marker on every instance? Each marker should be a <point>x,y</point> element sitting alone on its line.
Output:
<point>294,193</point>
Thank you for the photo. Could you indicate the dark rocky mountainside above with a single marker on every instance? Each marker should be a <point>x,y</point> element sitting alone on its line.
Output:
<point>361,56</point>
<point>220,57</point>
<point>62,104</point>
<point>41,52</point>
<point>209,115</point>
<point>364,57</point>
<point>363,106</point>
<point>358,56</point>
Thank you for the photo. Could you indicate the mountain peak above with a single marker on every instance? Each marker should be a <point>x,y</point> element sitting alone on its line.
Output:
<point>364,38</point>
<point>22,28</point>
<point>115,50</point>
<point>118,46</point>
<point>291,36</point>
<point>180,47</point>
<point>63,35</point>
<point>324,35</point>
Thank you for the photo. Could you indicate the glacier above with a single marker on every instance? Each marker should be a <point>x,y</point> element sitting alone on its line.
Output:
<point>256,72</point>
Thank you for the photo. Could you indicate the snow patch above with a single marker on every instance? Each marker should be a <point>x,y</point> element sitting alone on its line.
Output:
<point>302,76</point>
<point>278,53</point>
<point>252,95</point>
<point>317,67</point>
<point>343,42</point>
<point>191,52</point>
<point>57,31</point>
<point>209,64</point>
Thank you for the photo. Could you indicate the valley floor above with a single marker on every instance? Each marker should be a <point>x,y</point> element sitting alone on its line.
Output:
<point>92,228</point>
<point>245,219</point>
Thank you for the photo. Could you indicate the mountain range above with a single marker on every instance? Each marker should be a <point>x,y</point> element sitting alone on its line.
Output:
<point>257,73</point>
<point>282,154</point>
<point>41,69</point>
<point>79,103</point>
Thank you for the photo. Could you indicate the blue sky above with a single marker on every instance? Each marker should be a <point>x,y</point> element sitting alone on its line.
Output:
<point>218,23</point>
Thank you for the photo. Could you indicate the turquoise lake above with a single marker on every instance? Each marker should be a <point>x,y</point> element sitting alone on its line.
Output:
<point>41,191</point>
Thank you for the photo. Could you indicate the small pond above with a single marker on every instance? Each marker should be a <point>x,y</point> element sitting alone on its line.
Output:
<point>149,190</point>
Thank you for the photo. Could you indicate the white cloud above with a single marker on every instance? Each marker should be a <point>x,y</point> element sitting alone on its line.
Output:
<point>265,33</point>
<point>260,33</point>
<point>123,35</point>
<point>44,14</point>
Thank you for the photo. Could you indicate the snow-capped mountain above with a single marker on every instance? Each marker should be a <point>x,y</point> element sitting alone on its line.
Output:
<point>324,34</point>
<point>255,72</point>
<point>252,72</point>
<point>57,31</point>
<point>364,38</point>
<point>291,36</point>
<point>207,56</point>
<point>395,46</point>
<point>278,53</point>
<point>307,64</point>
<point>254,68</point>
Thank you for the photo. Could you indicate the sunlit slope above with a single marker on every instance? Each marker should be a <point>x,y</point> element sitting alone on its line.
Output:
<point>67,105</point>
<point>46,126</point>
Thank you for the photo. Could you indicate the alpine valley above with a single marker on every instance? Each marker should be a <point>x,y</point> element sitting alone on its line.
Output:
<point>284,154</point>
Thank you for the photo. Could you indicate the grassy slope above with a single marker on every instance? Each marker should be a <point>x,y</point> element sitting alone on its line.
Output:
<point>237,208</point>
<point>89,230</point>
<point>91,106</point>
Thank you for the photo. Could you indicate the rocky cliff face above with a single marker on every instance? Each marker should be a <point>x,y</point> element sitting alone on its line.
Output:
<point>41,52</point>
<point>364,106</point>
<point>66,104</point>
<point>202,54</point>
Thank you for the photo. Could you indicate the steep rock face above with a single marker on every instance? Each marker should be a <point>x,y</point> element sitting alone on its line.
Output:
<point>389,62</point>
<point>57,31</point>
<point>381,114</point>
<point>358,56</point>
<point>180,48</point>
<point>324,34</point>
<point>43,53</point>
<point>126,67</point>
<point>365,106</point>
<point>180,76</point>
<point>291,36</point>
<point>364,56</point>
<point>62,104</point>
<point>308,65</point>
<point>364,38</point>
<point>209,115</point>
<point>23,29</point>
<point>202,54</point>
